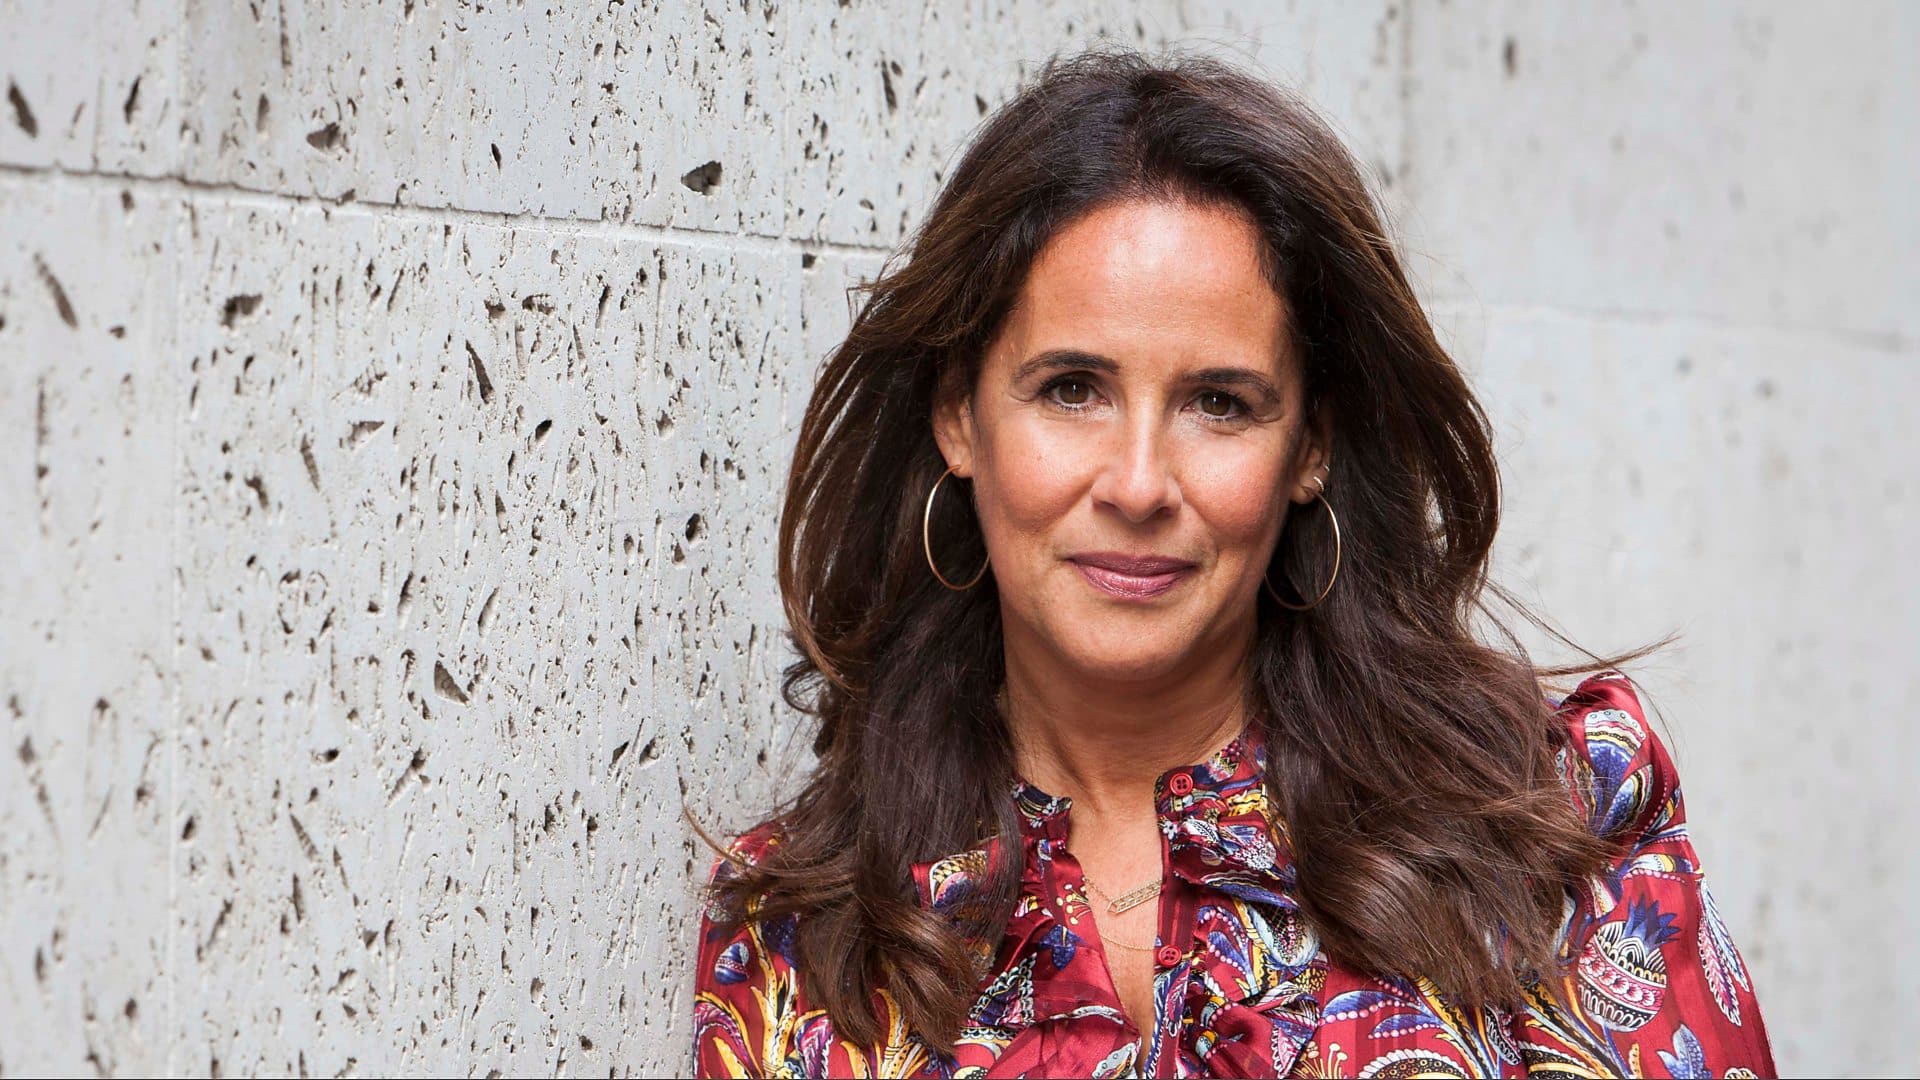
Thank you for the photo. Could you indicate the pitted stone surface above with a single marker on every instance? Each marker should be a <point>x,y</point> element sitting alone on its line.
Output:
<point>91,85</point>
<point>399,397</point>
<point>1717,162</point>
<point>481,671</point>
<point>805,120</point>
<point>87,671</point>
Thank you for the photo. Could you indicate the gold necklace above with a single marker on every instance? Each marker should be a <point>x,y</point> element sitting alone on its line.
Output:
<point>1131,900</point>
<point>1126,944</point>
<point>1126,901</point>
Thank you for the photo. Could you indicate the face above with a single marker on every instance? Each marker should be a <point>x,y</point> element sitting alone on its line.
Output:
<point>1135,439</point>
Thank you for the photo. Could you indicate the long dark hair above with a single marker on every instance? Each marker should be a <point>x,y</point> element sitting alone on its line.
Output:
<point>1411,762</point>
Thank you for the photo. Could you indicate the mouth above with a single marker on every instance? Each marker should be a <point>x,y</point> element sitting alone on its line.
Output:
<point>1131,577</point>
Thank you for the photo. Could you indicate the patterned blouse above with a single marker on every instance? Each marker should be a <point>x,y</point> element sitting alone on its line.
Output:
<point>1241,985</point>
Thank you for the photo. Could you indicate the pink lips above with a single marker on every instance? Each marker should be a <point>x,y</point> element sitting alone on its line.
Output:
<point>1131,577</point>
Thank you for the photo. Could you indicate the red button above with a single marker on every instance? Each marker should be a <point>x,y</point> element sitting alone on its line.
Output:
<point>1166,956</point>
<point>1180,784</point>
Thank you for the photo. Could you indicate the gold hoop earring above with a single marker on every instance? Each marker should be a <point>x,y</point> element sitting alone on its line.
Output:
<point>1321,495</point>
<point>926,542</point>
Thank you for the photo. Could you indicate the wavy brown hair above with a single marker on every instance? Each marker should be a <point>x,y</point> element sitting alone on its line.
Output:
<point>1411,761</point>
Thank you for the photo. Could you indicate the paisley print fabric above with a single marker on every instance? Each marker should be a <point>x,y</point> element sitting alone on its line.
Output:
<point>1654,985</point>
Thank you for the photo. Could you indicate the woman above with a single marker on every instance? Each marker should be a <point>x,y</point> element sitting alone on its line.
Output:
<point>1130,546</point>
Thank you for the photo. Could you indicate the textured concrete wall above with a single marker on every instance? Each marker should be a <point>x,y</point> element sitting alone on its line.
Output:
<point>395,399</point>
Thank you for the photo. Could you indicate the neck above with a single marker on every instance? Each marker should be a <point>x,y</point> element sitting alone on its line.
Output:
<point>1103,743</point>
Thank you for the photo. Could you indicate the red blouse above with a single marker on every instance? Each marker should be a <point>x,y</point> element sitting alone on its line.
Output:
<point>1242,987</point>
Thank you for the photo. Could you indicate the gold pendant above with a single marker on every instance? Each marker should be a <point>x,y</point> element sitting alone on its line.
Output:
<point>1133,899</point>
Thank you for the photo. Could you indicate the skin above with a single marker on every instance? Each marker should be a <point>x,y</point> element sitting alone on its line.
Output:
<point>1128,438</point>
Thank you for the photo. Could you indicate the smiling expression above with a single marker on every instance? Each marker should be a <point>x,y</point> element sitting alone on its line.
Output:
<point>1135,437</point>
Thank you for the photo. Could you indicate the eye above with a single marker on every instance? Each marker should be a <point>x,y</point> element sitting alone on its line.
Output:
<point>1219,405</point>
<point>1070,391</point>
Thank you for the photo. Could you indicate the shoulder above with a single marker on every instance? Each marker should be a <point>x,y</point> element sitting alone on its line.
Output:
<point>1653,963</point>
<point>743,852</point>
<point>724,911</point>
<point>1615,765</point>
<point>744,985</point>
<point>730,932</point>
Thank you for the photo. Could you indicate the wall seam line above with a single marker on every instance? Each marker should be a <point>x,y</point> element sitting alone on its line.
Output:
<point>741,241</point>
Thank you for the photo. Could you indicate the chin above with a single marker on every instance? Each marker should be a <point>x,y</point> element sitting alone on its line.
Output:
<point>1121,656</point>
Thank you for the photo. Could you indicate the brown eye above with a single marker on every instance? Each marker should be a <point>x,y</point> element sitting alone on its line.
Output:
<point>1072,391</point>
<point>1218,405</point>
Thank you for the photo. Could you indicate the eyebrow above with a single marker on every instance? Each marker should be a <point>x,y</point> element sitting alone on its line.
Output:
<point>1081,360</point>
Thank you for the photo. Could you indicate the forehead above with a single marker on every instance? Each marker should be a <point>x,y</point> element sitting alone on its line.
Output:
<point>1154,282</point>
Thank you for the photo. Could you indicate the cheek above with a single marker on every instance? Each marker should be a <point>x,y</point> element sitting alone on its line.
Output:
<point>1239,497</point>
<point>1028,479</point>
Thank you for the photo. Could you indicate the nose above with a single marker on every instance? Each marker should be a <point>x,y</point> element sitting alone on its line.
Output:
<point>1137,476</point>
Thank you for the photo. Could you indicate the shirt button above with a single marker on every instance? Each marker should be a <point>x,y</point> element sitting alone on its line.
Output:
<point>1180,784</point>
<point>1166,956</point>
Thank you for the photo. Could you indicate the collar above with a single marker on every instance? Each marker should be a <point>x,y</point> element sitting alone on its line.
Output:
<point>1222,833</point>
<point>1219,821</point>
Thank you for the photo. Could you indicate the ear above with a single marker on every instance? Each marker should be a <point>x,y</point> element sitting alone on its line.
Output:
<point>1313,458</point>
<point>953,431</point>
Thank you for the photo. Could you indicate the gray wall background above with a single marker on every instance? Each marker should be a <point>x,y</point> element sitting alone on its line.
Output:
<point>395,397</point>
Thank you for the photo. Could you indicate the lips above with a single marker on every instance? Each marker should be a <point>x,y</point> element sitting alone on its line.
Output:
<point>1131,577</point>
